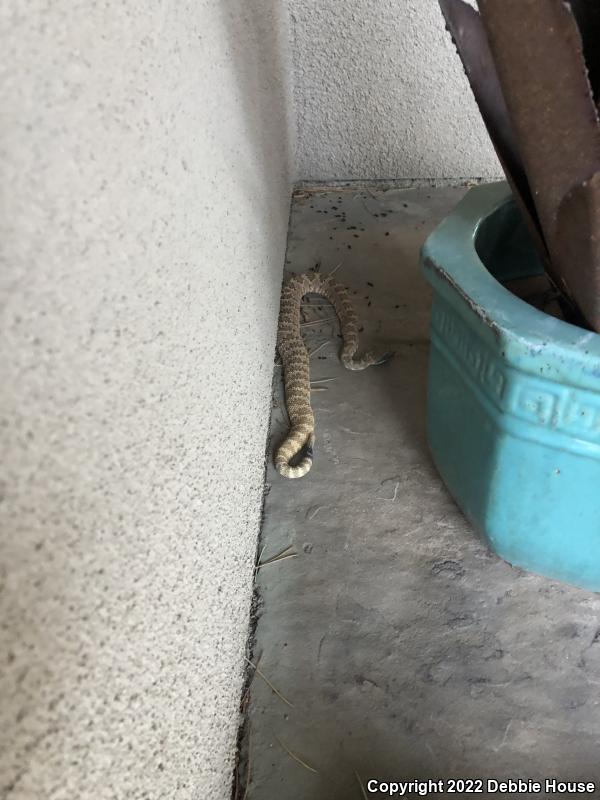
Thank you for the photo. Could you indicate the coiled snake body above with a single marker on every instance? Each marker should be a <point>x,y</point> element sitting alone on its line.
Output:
<point>295,361</point>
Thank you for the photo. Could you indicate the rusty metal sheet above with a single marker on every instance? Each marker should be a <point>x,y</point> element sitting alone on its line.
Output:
<point>469,37</point>
<point>538,53</point>
<point>468,34</point>
<point>587,16</point>
<point>578,235</point>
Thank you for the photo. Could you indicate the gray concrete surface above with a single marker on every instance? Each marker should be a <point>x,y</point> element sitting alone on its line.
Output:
<point>406,648</point>
<point>145,176</point>
<point>380,93</point>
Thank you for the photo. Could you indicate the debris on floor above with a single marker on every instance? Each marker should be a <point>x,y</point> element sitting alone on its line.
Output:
<point>392,644</point>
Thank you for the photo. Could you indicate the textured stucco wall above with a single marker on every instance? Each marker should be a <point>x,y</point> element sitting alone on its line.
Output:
<point>380,93</point>
<point>145,194</point>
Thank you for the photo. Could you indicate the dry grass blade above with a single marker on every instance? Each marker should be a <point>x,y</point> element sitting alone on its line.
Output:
<point>297,758</point>
<point>268,682</point>
<point>317,321</point>
<point>280,553</point>
<point>258,561</point>
<point>312,512</point>
<point>281,556</point>
<point>360,783</point>
<point>275,560</point>
<point>260,555</point>
<point>323,380</point>
<point>334,270</point>
<point>316,350</point>
<point>391,499</point>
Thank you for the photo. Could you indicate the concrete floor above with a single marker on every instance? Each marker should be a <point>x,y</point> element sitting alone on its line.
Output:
<point>406,648</point>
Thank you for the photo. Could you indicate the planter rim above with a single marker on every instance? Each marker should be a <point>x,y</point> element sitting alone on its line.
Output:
<point>449,256</point>
<point>513,399</point>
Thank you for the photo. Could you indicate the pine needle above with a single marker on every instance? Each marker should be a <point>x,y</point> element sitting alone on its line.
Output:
<point>297,758</point>
<point>323,380</point>
<point>268,682</point>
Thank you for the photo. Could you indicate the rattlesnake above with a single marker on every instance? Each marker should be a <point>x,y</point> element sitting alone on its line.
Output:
<point>295,361</point>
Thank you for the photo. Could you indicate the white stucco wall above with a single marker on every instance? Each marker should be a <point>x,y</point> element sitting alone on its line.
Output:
<point>380,93</point>
<point>145,179</point>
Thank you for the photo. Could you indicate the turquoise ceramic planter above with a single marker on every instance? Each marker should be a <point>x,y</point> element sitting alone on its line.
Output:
<point>514,397</point>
